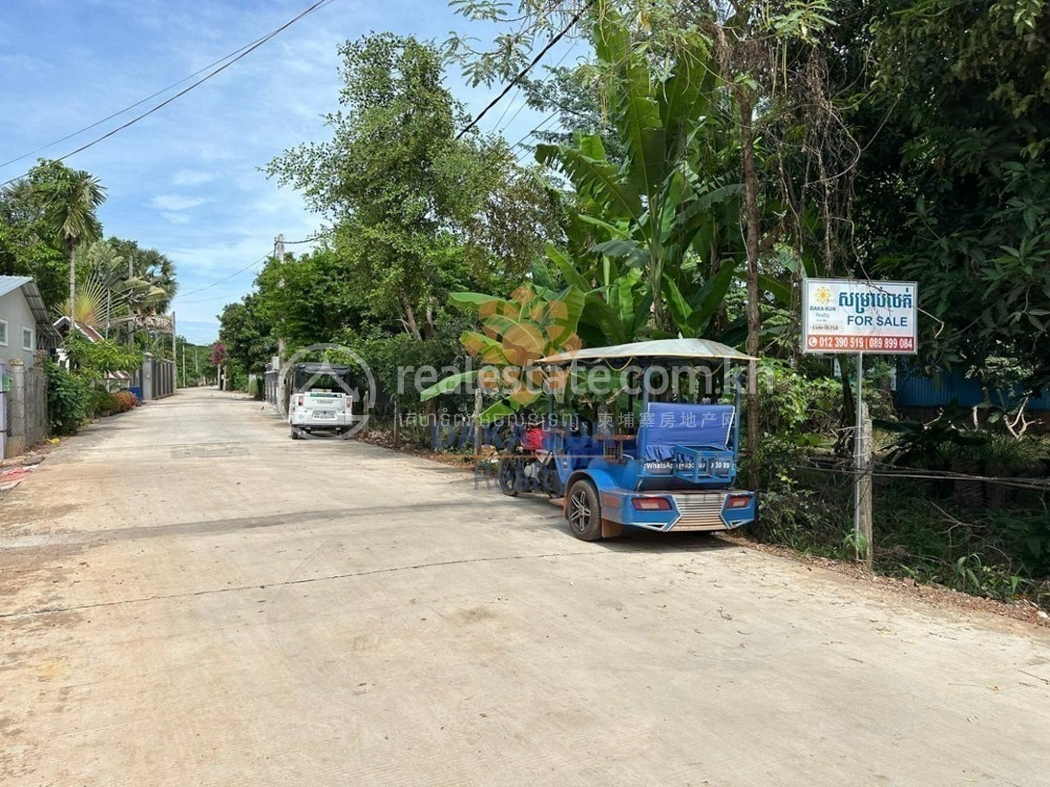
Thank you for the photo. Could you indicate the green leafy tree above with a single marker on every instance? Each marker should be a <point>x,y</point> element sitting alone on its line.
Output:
<point>246,335</point>
<point>97,360</point>
<point>154,269</point>
<point>418,211</point>
<point>69,200</point>
<point>28,246</point>
<point>515,334</point>
<point>665,203</point>
<point>956,187</point>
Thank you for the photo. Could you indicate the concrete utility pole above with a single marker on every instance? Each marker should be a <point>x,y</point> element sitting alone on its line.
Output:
<point>278,252</point>
<point>175,356</point>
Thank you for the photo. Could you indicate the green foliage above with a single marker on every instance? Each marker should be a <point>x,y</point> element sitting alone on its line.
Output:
<point>248,335</point>
<point>388,355</point>
<point>68,399</point>
<point>663,224</point>
<point>149,275</point>
<point>804,410</point>
<point>962,112</point>
<point>97,360</point>
<point>419,212</point>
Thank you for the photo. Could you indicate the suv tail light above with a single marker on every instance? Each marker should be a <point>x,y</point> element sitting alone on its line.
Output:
<point>651,504</point>
<point>738,501</point>
<point>349,403</point>
<point>302,399</point>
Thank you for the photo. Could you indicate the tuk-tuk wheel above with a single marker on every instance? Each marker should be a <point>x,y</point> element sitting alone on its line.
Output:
<point>583,511</point>
<point>506,475</point>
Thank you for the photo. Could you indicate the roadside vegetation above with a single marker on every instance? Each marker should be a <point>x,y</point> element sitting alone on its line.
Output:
<point>117,293</point>
<point>705,159</point>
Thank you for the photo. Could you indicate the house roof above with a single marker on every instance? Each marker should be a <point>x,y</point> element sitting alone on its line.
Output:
<point>34,299</point>
<point>91,334</point>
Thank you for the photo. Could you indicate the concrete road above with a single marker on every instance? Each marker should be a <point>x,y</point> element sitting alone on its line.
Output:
<point>188,597</point>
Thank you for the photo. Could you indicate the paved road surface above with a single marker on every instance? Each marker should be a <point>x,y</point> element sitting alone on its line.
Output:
<point>181,603</point>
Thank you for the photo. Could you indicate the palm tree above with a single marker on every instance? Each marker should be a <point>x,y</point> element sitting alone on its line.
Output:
<point>70,200</point>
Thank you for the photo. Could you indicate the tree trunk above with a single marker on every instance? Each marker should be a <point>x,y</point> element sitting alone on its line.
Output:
<point>72,282</point>
<point>751,242</point>
<point>410,323</point>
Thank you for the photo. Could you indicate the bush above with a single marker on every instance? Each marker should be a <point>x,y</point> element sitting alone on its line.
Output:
<point>124,401</point>
<point>68,399</point>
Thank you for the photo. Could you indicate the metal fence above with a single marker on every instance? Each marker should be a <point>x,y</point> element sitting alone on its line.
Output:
<point>163,378</point>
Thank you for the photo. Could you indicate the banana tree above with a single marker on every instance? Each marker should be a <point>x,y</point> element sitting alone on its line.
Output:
<point>663,221</point>
<point>515,333</point>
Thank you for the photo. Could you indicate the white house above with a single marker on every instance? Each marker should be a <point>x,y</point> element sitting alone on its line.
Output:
<point>24,325</point>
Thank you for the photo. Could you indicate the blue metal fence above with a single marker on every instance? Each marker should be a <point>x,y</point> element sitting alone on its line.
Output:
<point>941,389</point>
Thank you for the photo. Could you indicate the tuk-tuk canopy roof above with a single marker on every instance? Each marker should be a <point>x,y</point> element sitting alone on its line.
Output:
<point>650,352</point>
<point>313,367</point>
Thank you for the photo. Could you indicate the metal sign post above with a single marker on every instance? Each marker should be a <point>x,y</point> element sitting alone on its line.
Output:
<point>861,474</point>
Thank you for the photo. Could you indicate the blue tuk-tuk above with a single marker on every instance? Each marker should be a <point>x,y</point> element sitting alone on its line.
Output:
<point>666,465</point>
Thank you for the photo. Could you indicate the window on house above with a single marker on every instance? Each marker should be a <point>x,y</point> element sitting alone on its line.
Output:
<point>27,339</point>
<point>3,333</point>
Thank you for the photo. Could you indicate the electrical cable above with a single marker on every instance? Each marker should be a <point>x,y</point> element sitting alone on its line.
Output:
<point>246,51</point>
<point>521,74</point>
<point>130,107</point>
<point>225,278</point>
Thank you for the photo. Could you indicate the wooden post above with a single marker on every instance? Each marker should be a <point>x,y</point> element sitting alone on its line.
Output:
<point>865,487</point>
<point>397,423</point>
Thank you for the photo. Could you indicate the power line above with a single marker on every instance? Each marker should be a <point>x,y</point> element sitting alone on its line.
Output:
<point>244,52</point>
<point>130,107</point>
<point>242,270</point>
<point>225,278</point>
<point>521,74</point>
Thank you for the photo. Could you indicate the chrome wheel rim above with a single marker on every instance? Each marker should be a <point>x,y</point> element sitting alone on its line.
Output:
<point>579,511</point>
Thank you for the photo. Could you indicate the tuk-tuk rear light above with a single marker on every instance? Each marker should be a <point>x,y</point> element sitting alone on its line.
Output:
<point>651,504</point>
<point>738,501</point>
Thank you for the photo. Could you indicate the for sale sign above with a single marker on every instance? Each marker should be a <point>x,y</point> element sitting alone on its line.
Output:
<point>850,315</point>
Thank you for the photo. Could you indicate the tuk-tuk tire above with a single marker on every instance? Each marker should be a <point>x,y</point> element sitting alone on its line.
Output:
<point>583,497</point>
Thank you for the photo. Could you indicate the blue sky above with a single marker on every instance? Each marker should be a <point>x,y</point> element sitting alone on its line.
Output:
<point>186,180</point>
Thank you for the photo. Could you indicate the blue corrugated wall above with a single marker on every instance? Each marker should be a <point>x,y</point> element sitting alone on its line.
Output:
<point>937,391</point>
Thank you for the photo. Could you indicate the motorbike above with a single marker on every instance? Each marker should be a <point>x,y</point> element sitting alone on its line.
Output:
<point>530,467</point>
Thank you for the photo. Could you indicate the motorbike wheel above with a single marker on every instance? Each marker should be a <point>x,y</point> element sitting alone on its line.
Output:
<point>552,481</point>
<point>507,476</point>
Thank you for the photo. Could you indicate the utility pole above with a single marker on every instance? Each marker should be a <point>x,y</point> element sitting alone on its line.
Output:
<point>175,356</point>
<point>278,252</point>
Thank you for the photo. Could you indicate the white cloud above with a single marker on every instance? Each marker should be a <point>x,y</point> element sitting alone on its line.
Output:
<point>191,177</point>
<point>176,218</point>
<point>173,202</point>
